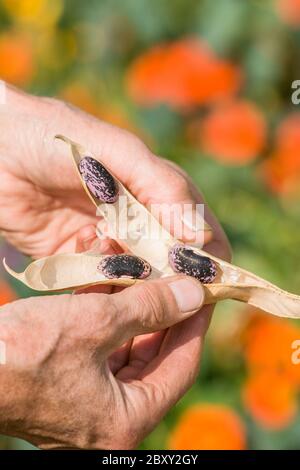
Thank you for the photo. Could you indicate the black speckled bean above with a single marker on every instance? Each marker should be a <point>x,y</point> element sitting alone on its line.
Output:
<point>183,259</point>
<point>123,265</point>
<point>98,180</point>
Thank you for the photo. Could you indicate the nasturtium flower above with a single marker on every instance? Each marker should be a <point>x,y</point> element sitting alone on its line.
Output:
<point>182,74</point>
<point>208,427</point>
<point>6,293</point>
<point>234,133</point>
<point>281,170</point>
<point>17,63</point>
<point>289,11</point>
<point>270,399</point>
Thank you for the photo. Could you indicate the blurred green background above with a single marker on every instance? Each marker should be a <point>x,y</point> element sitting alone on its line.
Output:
<point>208,85</point>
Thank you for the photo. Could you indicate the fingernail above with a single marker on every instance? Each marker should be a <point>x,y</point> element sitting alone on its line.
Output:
<point>189,294</point>
<point>88,241</point>
<point>195,222</point>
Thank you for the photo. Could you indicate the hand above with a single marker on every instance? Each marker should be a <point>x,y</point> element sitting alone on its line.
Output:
<point>42,202</point>
<point>43,208</point>
<point>64,386</point>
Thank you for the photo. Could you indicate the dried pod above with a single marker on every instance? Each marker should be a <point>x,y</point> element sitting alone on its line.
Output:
<point>73,271</point>
<point>154,250</point>
<point>221,280</point>
<point>66,272</point>
<point>185,260</point>
<point>98,180</point>
<point>124,265</point>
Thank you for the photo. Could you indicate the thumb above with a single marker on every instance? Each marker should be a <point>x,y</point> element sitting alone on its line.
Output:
<point>159,304</point>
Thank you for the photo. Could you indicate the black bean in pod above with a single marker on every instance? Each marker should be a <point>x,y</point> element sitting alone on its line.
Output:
<point>185,260</point>
<point>98,180</point>
<point>123,265</point>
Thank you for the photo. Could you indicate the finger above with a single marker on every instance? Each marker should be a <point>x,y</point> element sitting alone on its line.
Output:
<point>182,345</point>
<point>120,357</point>
<point>143,308</point>
<point>143,350</point>
<point>37,120</point>
<point>155,305</point>
<point>219,245</point>
<point>86,240</point>
<point>168,377</point>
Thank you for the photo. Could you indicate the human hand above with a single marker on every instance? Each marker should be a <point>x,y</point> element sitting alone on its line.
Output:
<point>42,202</point>
<point>44,207</point>
<point>68,381</point>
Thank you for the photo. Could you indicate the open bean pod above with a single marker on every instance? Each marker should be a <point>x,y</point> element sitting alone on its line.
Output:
<point>72,271</point>
<point>165,255</point>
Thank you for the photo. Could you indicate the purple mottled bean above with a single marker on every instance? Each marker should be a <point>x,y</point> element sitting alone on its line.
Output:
<point>183,259</point>
<point>123,265</point>
<point>98,180</point>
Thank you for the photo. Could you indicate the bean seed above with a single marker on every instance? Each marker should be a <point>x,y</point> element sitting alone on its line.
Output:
<point>98,180</point>
<point>123,265</point>
<point>183,259</point>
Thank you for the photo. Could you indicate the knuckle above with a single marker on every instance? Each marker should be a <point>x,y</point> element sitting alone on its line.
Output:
<point>95,317</point>
<point>58,106</point>
<point>150,308</point>
<point>179,184</point>
<point>104,313</point>
<point>134,143</point>
<point>175,167</point>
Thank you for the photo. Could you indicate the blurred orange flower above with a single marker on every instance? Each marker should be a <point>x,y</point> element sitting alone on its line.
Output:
<point>281,171</point>
<point>271,399</point>
<point>181,74</point>
<point>268,347</point>
<point>16,58</point>
<point>6,293</point>
<point>289,11</point>
<point>209,427</point>
<point>234,133</point>
<point>288,133</point>
<point>270,391</point>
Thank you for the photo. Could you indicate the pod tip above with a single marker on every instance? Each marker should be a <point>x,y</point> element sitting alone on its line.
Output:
<point>8,269</point>
<point>61,137</point>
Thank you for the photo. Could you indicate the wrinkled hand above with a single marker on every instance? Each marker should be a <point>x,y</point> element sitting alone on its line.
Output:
<point>42,202</point>
<point>64,385</point>
<point>76,374</point>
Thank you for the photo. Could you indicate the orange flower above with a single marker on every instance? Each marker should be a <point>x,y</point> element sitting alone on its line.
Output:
<point>270,399</point>
<point>181,74</point>
<point>6,293</point>
<point>289,11</point>
<point>270,391</point>
<point>234,133</point>
<point>269,348</point>
<point>209,427</point>
<point>16,58</point>
<point>281,171</point>
<point>288,133</point>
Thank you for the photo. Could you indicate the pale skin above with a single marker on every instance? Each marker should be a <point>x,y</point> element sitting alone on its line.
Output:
<point>99,369</point>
